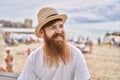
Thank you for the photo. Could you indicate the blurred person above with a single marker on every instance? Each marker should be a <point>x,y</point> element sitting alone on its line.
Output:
<point>9,61</point>
<point>87,42</point>
<point>55,59</point>
<point>6,38</point>
<point>91,45</point>
<point>99,41</point>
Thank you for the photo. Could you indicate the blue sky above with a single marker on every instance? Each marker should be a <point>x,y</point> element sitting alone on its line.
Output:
<point>78,11</point>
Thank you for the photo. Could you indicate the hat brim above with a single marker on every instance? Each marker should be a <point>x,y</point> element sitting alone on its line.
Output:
<point>41,24</point>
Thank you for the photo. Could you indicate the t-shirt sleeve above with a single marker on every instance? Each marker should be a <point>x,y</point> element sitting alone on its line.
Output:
<point>28,70</point>
<point>81,70</point>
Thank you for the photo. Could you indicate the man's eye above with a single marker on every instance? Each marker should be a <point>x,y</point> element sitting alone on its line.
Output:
<point>53,28</point>
<point>61,26</point>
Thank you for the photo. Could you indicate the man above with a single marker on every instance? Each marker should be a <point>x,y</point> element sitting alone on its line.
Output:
<point>9,61</point>
<point>55,59</point>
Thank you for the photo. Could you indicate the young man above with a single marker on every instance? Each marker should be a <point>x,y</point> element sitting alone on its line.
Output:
<point>55,59</point>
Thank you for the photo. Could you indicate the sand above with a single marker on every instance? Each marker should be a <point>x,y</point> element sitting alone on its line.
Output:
<point>103,63</point>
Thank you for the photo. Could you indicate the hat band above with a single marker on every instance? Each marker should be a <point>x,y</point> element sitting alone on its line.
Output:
<point>51,15</point>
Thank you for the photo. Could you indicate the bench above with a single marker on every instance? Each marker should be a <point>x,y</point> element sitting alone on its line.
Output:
<point>8,76</point>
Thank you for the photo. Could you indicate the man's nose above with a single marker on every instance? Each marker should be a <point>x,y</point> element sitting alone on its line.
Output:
<point>58,30</point>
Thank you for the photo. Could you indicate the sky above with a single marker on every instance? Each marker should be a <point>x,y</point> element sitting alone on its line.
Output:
<point>78,11</point>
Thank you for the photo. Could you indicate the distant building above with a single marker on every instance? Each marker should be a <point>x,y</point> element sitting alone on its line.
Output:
<point>2,22</point>
<point>6,23</point>
<point>1,29</point>
<point>28,23</point>
<point>1,25</point>
<point>18,24</point>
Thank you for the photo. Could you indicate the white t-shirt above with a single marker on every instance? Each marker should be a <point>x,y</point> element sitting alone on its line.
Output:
<point>35,69</point>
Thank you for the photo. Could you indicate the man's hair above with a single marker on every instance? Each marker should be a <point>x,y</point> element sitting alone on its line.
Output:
<point>50,23</point>
<point>8,51</point>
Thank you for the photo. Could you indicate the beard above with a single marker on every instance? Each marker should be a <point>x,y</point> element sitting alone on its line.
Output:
<point>56,50</point>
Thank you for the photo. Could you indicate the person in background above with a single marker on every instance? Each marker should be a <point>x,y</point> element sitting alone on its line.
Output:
<point>91,46</point>
<point>9,61</point>
<point>99,41</point>
<point>55,59</point>
<point>6,38</point>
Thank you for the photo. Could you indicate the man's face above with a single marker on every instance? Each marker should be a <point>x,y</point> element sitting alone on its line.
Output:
<point>55,32</point>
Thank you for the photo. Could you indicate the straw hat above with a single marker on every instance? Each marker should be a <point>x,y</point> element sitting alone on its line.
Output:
<point>45,15</point>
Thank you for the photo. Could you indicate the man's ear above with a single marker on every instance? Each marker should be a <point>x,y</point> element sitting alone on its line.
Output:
<point>42,33</point>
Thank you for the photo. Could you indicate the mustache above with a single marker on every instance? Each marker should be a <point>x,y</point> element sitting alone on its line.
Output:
<point>58,34</point>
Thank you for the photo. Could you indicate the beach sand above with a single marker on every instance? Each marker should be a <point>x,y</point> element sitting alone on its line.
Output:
<point>103,63</point>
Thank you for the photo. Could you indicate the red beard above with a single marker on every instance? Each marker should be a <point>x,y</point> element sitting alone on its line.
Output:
<point>55,51</point>
<point>53,45</point>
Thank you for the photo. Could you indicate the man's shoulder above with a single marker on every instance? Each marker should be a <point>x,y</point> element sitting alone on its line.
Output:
<point>36,51</point>
<point>72,47</point>
<point>74,50</point>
